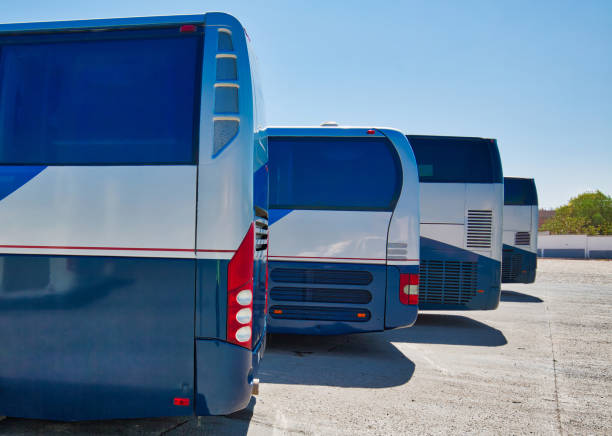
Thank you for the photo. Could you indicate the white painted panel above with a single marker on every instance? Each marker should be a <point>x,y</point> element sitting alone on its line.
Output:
<point>99,209</point>
<point>562,241</point>
<point>517,218</point>
<point>331,236</point>
<point>443,203</point>
<point>452,234</point>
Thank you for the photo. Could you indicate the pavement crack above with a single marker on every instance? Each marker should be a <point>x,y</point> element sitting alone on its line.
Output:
<point>174,427</point>
<point>554,364</point>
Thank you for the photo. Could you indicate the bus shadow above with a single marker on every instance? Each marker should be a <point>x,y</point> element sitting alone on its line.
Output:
<point>235,424</point>
<point>518,297</point>
<point>366,360</point>
<point>448,330</point>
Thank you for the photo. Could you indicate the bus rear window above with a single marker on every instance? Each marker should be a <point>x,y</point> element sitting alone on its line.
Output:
<point>443,159</point>
<point>334,173</point>
<point>520,192</point>
<point>98,101</point>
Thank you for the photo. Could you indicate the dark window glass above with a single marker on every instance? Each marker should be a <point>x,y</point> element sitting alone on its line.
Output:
<point>444,159</point>
<point>334,173</point>
<point>105,101</point>
<point>518,192</point>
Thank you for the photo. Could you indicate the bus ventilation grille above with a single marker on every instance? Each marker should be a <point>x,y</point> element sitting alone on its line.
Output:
<point>522,238</point>
<point>316,313</point>
<point>321,295</point>
<point>479,228</point>
<point>321,276</point>
<point>447,282</point>
<point>511,266</point>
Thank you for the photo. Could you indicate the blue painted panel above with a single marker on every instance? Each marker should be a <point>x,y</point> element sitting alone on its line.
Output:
<point>563,253</point>
<point>526,266</point>
<point>488,273</point>
<point>14,177</point>
<point>600,254</point>
<point>377,288</point>
<point>211,298</point>
<point>396,313</point>
<point>95,337</point>
<point>519,192</point>
<point>225,376</point>
<point>278,214</point>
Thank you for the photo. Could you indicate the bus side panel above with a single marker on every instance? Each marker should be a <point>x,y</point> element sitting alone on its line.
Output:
<point>464,280</point>
<point>396,313</point>
<point>95,337</point>
<point>314,298</point>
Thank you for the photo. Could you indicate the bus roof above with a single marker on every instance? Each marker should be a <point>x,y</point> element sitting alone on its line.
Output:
<point>327,130</point>
<point>104,23</point>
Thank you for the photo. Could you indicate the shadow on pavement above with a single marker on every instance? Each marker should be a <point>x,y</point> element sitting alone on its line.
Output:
<point>150,426</point>
<point>448,329</point>
<point>518,297</point>
<point>234,424</point>
<point>366,360</point>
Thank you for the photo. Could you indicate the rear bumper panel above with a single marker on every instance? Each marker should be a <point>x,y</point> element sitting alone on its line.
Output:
<point>224,375</point>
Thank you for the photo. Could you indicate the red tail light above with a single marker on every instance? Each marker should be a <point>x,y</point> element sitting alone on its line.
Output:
<point>240,292</point>
<point>409,289</point>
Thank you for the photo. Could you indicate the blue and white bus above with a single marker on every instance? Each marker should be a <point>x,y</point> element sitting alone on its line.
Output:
<point>344,220</point>
<point>519,258</point>
<point>133,218</point>
<point>461,222</point>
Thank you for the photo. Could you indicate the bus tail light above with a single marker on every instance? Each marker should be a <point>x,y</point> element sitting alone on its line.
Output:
<point>240,292</point>
<point>409,289</point>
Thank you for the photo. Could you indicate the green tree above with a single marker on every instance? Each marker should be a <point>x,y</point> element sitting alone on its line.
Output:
<point>589,213</point>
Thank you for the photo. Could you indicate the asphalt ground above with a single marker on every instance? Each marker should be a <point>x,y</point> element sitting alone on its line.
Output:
<point>539,364</point>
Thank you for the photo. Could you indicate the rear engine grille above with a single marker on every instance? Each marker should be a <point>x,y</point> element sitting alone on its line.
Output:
<point>321,295</point>
<point>447,282</point>
<point>511,265</point>
<point>320,313</point>
<point>321,276</point>
<point>479,228</point>
<point>522,238</point>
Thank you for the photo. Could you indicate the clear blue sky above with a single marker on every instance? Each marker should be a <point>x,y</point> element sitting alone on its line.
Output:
<point>535,75</point>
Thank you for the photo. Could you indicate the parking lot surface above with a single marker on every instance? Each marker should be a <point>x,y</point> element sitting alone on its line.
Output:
<point>540,364</point>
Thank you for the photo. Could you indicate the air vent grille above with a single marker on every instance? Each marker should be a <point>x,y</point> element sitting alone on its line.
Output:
<point>480,228</point>
<point>321,276</point>
<point>511,266</point>
<point>261,229</point>
<point>522,238</point>
<point>321,295</point>
<point>447,282</point>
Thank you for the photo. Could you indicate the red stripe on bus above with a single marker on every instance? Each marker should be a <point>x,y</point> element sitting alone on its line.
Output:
<point>61,247</point>
<point>341,258</point>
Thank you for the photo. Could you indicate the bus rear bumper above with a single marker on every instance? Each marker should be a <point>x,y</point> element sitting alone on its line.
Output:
<point>225,375</point>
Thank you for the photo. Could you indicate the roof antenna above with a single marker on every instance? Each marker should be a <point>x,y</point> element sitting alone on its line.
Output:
<point>329,124</point>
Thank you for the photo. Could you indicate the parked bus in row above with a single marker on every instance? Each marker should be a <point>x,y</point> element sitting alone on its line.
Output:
<point>519,258</point>
<point>133,218</point>
<point>461,222</point>
<point>344,220</point>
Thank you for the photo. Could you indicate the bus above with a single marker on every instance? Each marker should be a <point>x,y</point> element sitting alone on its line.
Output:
<point>519,257</point>
<point>344,220</point>
<point>133,218</point>
<point>461,222</point>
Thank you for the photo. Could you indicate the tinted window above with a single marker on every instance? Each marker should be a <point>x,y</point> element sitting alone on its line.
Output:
<point>333,173</point>
<point>456,160</point>
<point>98,101</point>
<point>519,192</point>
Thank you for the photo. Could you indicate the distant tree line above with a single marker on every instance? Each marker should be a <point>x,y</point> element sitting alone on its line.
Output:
<point>587,214</point>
